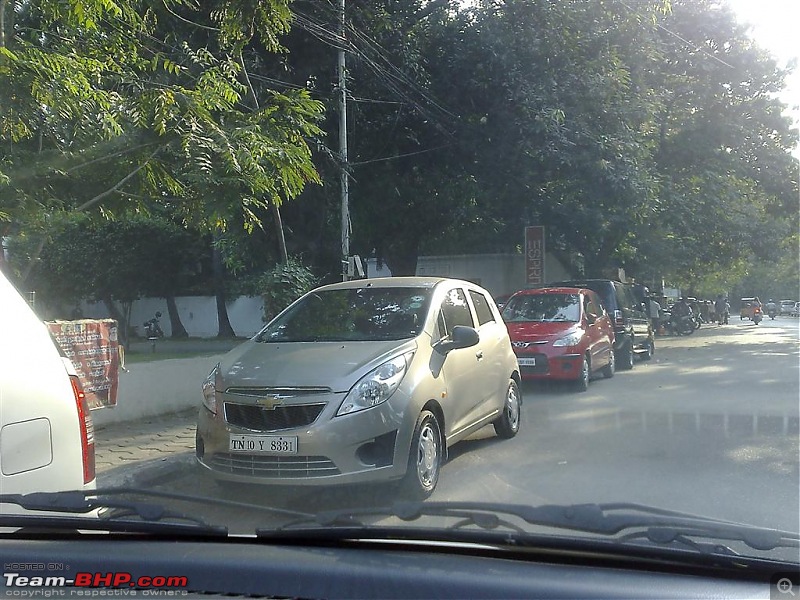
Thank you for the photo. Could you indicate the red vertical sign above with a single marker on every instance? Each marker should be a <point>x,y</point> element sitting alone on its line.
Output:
<point>534,255</point>
<point>93,348</point>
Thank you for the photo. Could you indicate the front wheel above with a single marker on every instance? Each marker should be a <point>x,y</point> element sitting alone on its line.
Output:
<point>582,383</point>
<point>425,458</point>
<point>506,425</point>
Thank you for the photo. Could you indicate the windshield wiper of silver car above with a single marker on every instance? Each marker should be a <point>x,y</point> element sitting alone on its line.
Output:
<point>621,522</point>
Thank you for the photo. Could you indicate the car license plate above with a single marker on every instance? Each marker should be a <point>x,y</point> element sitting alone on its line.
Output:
<point>527,362</point>
<point>263,444</point>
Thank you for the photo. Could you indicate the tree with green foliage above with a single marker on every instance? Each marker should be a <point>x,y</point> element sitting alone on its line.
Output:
<point>113,262</point>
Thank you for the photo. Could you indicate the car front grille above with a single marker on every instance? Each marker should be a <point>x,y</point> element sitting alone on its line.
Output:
<point>260,418</point>
<point>283,467</point>
<point>541,368</point>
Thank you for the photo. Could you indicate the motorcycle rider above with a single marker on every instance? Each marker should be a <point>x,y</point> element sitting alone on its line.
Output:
<point>772,308</point>
<point>681,313</point>
<point>681,308</point>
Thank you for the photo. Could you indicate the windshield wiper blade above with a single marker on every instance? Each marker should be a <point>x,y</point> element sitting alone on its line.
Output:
<point>114,513</point>
<point>657,525</point>
<point>99,513</point>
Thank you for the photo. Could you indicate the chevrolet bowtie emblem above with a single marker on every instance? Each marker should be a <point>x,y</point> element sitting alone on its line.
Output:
<point>270,402</point>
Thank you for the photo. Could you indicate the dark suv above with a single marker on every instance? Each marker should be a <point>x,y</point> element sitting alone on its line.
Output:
<point>633,333</point>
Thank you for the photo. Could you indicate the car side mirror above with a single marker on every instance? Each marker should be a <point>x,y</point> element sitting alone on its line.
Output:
<point>462,337</point>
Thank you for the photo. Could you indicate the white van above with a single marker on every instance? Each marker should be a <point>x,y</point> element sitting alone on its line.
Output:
<point>46,432</point>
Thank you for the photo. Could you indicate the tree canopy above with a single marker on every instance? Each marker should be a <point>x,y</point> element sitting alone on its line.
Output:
<point>646,135</point>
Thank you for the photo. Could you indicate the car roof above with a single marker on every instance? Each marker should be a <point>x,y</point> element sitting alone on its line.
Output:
<point>396,282</point>
<point>553,290</point>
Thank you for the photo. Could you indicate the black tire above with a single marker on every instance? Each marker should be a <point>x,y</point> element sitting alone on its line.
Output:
<point>625,358</point>
<point>506,425</point>
<point>582,382</point>
<point>425,458</point>
<point>650,350</point>
<point>611,367</point>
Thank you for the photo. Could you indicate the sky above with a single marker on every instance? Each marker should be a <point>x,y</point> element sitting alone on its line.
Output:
<point>776,27</point>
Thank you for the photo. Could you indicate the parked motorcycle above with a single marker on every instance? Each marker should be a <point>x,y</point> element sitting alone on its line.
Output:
<point>152,328</point>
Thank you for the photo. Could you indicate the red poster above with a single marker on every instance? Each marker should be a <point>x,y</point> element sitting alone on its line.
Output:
<point>534,255</point>
<point>93,347</point>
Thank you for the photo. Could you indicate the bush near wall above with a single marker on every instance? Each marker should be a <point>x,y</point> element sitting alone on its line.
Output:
<point>284,284</point>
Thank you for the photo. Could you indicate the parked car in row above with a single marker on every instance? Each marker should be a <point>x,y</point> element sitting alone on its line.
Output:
<point>786,307</point>
<point>46,432</point>
<point>367,380</point>
<point>633,332</point>
<point>560,333</point>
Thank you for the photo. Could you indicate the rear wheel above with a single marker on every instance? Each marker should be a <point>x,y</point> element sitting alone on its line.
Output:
<point>425,458</point>
<point>625,359</point>
<point>507,424</point>
<point>611,367</point>
<point>649,350</point>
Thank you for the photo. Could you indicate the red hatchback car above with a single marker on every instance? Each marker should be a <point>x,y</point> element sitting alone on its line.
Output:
<point>560,333</point>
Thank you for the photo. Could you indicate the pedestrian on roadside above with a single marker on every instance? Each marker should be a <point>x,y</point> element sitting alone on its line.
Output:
<point>655,313</point>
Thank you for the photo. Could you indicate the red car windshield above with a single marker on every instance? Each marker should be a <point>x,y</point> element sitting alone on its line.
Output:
<point>543,308</point>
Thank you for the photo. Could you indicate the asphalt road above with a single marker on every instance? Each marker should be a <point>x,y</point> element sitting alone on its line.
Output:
<point>709,426</point>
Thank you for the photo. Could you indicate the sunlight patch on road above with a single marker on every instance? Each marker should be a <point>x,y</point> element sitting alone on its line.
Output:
<point>706,370</point>
<point>772,458</point>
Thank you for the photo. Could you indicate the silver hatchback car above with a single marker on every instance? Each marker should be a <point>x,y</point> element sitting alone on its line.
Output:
<point>368,380</point>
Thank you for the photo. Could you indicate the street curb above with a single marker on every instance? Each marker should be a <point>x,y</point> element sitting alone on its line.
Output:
<point>149,473</point>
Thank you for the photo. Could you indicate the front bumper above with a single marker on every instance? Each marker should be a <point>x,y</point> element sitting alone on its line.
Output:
<point>555,366</point>
<point>368,446</point>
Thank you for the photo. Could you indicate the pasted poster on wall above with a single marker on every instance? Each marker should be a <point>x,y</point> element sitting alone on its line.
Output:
<point>93,347</point>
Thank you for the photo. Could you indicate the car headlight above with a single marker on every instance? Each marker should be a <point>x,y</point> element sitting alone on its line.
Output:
<point>376,386</point>
<point>210,386</point>
<point>573,339</point>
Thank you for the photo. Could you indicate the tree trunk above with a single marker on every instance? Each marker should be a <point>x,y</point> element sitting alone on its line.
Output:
<point>225,328</point>
<point>401,263</point>
<point>178,330</point>
<point>122,320</point>
<point>276,213</point>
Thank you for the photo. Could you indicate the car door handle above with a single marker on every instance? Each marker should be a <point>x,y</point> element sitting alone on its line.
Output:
<point>479,355</point>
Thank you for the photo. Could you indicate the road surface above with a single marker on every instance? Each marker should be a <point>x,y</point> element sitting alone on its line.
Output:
<point>709,426</point>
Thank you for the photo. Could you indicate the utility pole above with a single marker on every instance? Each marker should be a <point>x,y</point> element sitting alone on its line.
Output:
<point>345,183</point>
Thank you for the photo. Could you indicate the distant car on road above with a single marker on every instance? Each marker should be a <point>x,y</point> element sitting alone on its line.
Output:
<point>361,381</point>
<point>46,432</point>
<point>787,306</point>
<point>560,333</point>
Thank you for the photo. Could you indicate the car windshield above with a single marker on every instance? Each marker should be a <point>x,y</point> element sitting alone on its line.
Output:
<point>362,314</point>
<point>543,308</point>
<point>442,260</point>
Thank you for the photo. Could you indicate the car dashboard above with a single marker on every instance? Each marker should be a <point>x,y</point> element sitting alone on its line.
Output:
<point>112,564</point>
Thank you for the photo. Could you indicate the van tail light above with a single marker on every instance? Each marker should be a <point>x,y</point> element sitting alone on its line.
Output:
<point>618,321</point>
<point>87,430</point>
